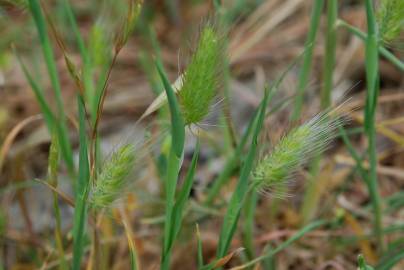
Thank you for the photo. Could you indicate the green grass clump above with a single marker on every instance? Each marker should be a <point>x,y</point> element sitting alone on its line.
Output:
<point>292,151</point>
<point>202,78</point>
<point>112,179</point>
<point>390,17</point>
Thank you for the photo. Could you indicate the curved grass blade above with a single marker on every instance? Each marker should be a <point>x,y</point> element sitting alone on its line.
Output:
<point>173,166</point>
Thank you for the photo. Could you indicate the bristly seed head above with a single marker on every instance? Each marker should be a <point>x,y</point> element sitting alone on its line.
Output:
<point>293,151</point>
<point>111,181</point>
<point>390,17</point>
<point>202,78</point>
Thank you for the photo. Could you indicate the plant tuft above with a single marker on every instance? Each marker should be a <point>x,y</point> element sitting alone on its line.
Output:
<point>293,151</point>
<point>390,17</point>
<point>112,179</point>
<point>202,78</point>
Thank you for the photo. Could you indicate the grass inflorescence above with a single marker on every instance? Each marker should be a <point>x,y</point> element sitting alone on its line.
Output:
<point>112,180</point>
<point>293,150</point>
<point>97,185</point>
<point>202,78</point>
<point>390,18</point>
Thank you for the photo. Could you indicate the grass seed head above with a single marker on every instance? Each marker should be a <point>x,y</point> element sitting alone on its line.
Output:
<point>390,17</point>
<point>134,9</point>
<point>292,151</point>
<point>202,77</point>
<point>112,180</point>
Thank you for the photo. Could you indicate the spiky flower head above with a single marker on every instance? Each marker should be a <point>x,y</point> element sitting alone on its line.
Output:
<point>202,78</point>
<point>111,182</point>
<point>390,17</point>
<point>293,151</point>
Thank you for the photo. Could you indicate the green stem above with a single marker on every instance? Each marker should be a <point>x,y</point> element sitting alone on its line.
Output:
<point>312,193</point>
<point>330,53</point>
<point>372,79</point>
<point>383,51</point>
<point>308,58</point>
<point>53,75</point>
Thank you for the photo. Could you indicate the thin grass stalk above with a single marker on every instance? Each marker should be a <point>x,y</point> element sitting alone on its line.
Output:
<point>382,50</point>
<point>330,53</point>
<point>39,19</point>
<point>311,194</point>
<point>199,248</point>
<point>372,79</point>
<point>307,58</point>
<point>249,224</point>
<point>233,162</point>
<point>87,67</point>
<point>230,165</point>
<point>232,215</point>
<point>82,190</point>
<point>39,95</point>
<point>308,228</point>
<point>173,166</point>
<point>53,180</point>
<point>183,196</point>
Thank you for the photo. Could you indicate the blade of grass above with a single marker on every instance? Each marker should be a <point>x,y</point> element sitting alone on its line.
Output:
<point>312,226</point>
<point>178,209</point>
<point>330,53</point>
<point>233,162</point>
<point>383,51</point>
<point>82,190</point>
<point>200,248</point>
<point>308,58</point>
<point>372,79</point>
<point>39,19</point>
<point>87,66</point>
<point>249,224</point>
<point>39,94</point>
<point>312,194</point>
<point>173,166</point>
<point>53,163</point>
<point>237,199</point>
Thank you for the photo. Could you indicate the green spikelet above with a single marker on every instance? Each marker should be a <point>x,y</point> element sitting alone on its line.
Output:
<point>390,17</point>
<point>292,151</point>
<point>112,179</point>
<point>202,77</point>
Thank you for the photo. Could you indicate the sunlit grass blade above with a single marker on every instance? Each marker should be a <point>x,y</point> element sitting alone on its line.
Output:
<point>48,54</point>
<point>173,165</point>
<point>82,190</point>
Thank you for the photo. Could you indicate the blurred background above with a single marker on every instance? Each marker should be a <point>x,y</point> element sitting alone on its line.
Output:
<point>264,38</point>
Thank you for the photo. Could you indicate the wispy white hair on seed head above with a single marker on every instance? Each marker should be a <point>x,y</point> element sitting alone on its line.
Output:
<point>293,150</point>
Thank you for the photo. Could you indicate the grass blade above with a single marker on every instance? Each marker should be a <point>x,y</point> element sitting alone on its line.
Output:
<point>183,196</point>
<point>39,19</point>
<point>233,211</point>
<point>173,166</point>
<point>372,79</point>
<point>312,226</point>
<point>82,189</point>
<point>308,58</point>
